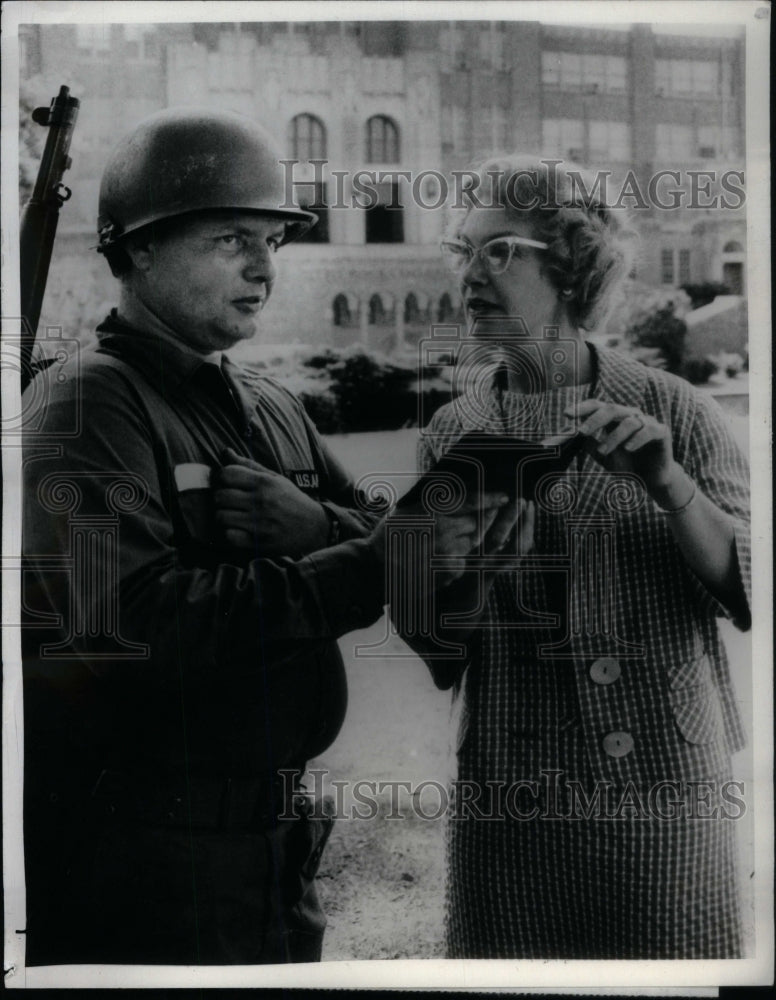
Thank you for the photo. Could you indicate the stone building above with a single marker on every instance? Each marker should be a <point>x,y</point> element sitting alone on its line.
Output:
<point>416,100</point>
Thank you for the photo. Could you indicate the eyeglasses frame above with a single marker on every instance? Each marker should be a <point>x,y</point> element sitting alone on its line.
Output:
<point>477,252</point>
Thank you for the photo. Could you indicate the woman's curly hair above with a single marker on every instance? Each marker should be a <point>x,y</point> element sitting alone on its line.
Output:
<point>590,246</point>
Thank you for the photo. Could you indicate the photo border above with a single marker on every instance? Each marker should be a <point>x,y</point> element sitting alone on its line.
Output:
<point>417,973</point>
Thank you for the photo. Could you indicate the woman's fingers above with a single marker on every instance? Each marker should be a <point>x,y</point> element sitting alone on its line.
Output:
<point>504,525</point>
<point>628,425</point>
<point>648,434</point>
<point>611,426</point>
<point>525,537</point>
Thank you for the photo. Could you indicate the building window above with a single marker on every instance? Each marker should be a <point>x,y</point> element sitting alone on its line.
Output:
<point>686,76</point>
<point>451,43</point>
<point>609,141</point>
<point>411,308</point>
<point>731,144</point>
<point>492,44</point>
<point>318,204</point>
<point>564,137</point>
<point>307,138</point>
<point>684,267</point>
<point>594,141</point>
<point>382,140</point>
<point>452,127</point>
<point>377,313</point>
<point>340,310</point>
<point>674,141</point>
<point>314,32</point>
<point>713,142</point>
<point>708,141</point>
<point>584,71</point>
<point>667,267</point>
<point>384,38</point>
<point>385,221</point>
<point>670,273</point>
<point>93,36</point>
<point>446,312</point>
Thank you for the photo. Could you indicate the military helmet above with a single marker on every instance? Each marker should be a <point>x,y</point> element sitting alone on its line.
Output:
<point>184,160</point>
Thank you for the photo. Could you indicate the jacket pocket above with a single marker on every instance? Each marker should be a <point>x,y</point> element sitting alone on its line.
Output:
<point>690,670</point>
<point>697,713</point>
<point>195,502</point>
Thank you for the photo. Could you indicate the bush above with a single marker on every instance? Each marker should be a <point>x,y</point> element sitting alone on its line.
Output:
<point>704,292</point>
<point>354,389</point>
<point>731,363</point>
<point>698,370</point>
<point>373,393</point>
<point>322,409</point>
<point>638,301</point>
<point>664,334</point>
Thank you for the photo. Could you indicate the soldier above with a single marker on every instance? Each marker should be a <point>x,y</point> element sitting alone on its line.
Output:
<point>193,551</point>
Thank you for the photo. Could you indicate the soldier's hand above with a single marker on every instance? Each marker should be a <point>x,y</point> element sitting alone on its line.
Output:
<point>261,511</point>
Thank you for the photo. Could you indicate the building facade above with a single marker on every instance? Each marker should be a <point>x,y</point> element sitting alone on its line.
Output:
<point>406,103</point>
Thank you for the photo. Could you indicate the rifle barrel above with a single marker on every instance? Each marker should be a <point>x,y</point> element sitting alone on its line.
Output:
<point>41,215</point>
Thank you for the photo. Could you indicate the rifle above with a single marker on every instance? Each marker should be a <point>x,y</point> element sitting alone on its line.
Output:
<point>41,214</point>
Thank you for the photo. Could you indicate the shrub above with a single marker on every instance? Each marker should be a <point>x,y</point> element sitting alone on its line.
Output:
<point>322,409</point>
<point>704,292</point>
<point>373,392</point>
<point>638,301</point>
<point>354,389</point>
<point>731,363</point>
<point>664,333</point>
<point>698,370</point>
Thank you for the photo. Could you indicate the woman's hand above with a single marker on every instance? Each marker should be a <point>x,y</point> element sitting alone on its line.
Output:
<point>514,520</point>
<point>625,439</point>
<point>264,513</point>
<point>490,526</point>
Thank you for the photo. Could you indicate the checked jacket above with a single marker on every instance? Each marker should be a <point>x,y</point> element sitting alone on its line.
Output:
<point>533,698</point>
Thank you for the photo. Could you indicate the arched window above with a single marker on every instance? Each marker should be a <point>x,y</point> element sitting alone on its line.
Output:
<point>732,246</point>
<point>411,308</point>
<point>445,313</point>
<point>307,138</point>
<point>382,140</point>
<point>341,310</point>
<point>376,310</point>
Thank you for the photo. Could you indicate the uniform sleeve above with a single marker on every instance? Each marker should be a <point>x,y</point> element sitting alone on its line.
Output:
<point>721,472</point>
<point>445,670</point>
<point>105,479</point>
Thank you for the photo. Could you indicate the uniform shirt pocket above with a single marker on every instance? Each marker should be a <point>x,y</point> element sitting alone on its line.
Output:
<point>195,502</point>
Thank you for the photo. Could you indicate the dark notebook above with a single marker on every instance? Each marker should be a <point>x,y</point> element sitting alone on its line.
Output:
<point>494,463</point>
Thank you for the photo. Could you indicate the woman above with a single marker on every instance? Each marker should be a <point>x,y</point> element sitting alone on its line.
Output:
<point>594,805</point>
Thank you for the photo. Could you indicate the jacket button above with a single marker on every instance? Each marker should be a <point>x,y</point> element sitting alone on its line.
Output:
<point>605,670</point>
<point>618,744</point>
